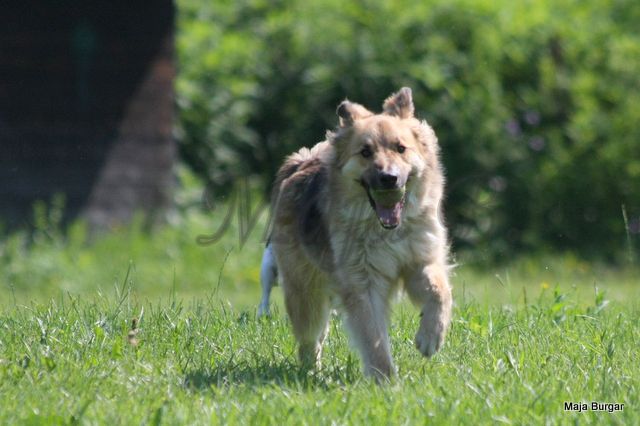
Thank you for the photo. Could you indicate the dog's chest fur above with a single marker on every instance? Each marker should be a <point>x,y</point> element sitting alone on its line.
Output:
<point>368,250</point>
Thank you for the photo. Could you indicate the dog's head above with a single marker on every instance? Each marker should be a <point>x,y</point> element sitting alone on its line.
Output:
<point>383,156</point>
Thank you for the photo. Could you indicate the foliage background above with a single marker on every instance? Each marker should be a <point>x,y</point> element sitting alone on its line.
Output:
<point>536,104</point>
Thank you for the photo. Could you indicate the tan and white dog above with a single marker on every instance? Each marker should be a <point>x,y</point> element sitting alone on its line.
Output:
<point>355,219</point>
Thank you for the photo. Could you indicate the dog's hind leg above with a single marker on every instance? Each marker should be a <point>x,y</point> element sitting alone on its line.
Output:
<point>308,305</point>
<point>268,279</point>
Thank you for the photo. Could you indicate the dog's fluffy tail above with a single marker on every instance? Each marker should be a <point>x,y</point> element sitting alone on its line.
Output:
<point>268,279</point>
<point>291,165</point>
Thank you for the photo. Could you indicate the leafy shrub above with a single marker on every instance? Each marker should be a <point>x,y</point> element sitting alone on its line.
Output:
<point>536,104</point>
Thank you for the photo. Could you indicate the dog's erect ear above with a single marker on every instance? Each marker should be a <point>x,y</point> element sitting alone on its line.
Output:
<point>399,104</point>
<point>350,112</point>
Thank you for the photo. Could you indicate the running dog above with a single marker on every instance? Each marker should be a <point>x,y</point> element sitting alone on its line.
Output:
<point>356,218</point>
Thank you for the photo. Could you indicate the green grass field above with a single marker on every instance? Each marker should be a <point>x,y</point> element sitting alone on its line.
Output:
<point>525,338</point>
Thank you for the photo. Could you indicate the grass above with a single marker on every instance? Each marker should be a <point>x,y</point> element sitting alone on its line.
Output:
<point>526,337</point>
<point>203,362</point>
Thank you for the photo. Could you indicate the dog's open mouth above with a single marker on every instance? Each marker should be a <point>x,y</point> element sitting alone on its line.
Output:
<point>388,204</point>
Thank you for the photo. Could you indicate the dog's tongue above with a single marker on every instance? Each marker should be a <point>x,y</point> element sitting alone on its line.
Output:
<point>388,206</point>
<point>389,216</point>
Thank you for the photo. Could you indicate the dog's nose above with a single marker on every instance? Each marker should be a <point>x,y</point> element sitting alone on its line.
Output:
<point>387,180</point>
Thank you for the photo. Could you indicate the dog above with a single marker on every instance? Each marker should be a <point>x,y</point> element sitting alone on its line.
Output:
<point>355,219</point>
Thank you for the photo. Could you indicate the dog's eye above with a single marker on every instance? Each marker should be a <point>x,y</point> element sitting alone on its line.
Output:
<point>366,152</point>
<point>401,148</point>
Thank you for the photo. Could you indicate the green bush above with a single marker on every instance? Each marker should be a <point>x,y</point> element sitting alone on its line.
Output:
<point>536,104</point>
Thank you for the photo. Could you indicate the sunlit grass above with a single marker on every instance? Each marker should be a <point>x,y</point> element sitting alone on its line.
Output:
<point>205,362</point>
<point>526,336</point>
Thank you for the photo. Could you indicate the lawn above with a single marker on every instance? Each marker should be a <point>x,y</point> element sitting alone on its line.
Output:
<point>152,328</point>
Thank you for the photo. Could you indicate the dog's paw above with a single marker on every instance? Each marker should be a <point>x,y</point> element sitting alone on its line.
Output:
<point>432,331</point>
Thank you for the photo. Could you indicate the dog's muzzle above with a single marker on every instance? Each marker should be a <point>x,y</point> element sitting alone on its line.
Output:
<point>387,203</point>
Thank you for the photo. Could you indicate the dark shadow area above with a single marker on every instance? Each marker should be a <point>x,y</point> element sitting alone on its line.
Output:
<point>70,77</point>
<point>282,373</point>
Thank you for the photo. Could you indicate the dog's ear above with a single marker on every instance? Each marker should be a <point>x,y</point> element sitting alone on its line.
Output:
<point>399,104</point>
<point>350,112</point>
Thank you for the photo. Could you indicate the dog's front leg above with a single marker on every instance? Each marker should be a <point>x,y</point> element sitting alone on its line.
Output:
<point>366,321</point>
<point>429,288</point>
